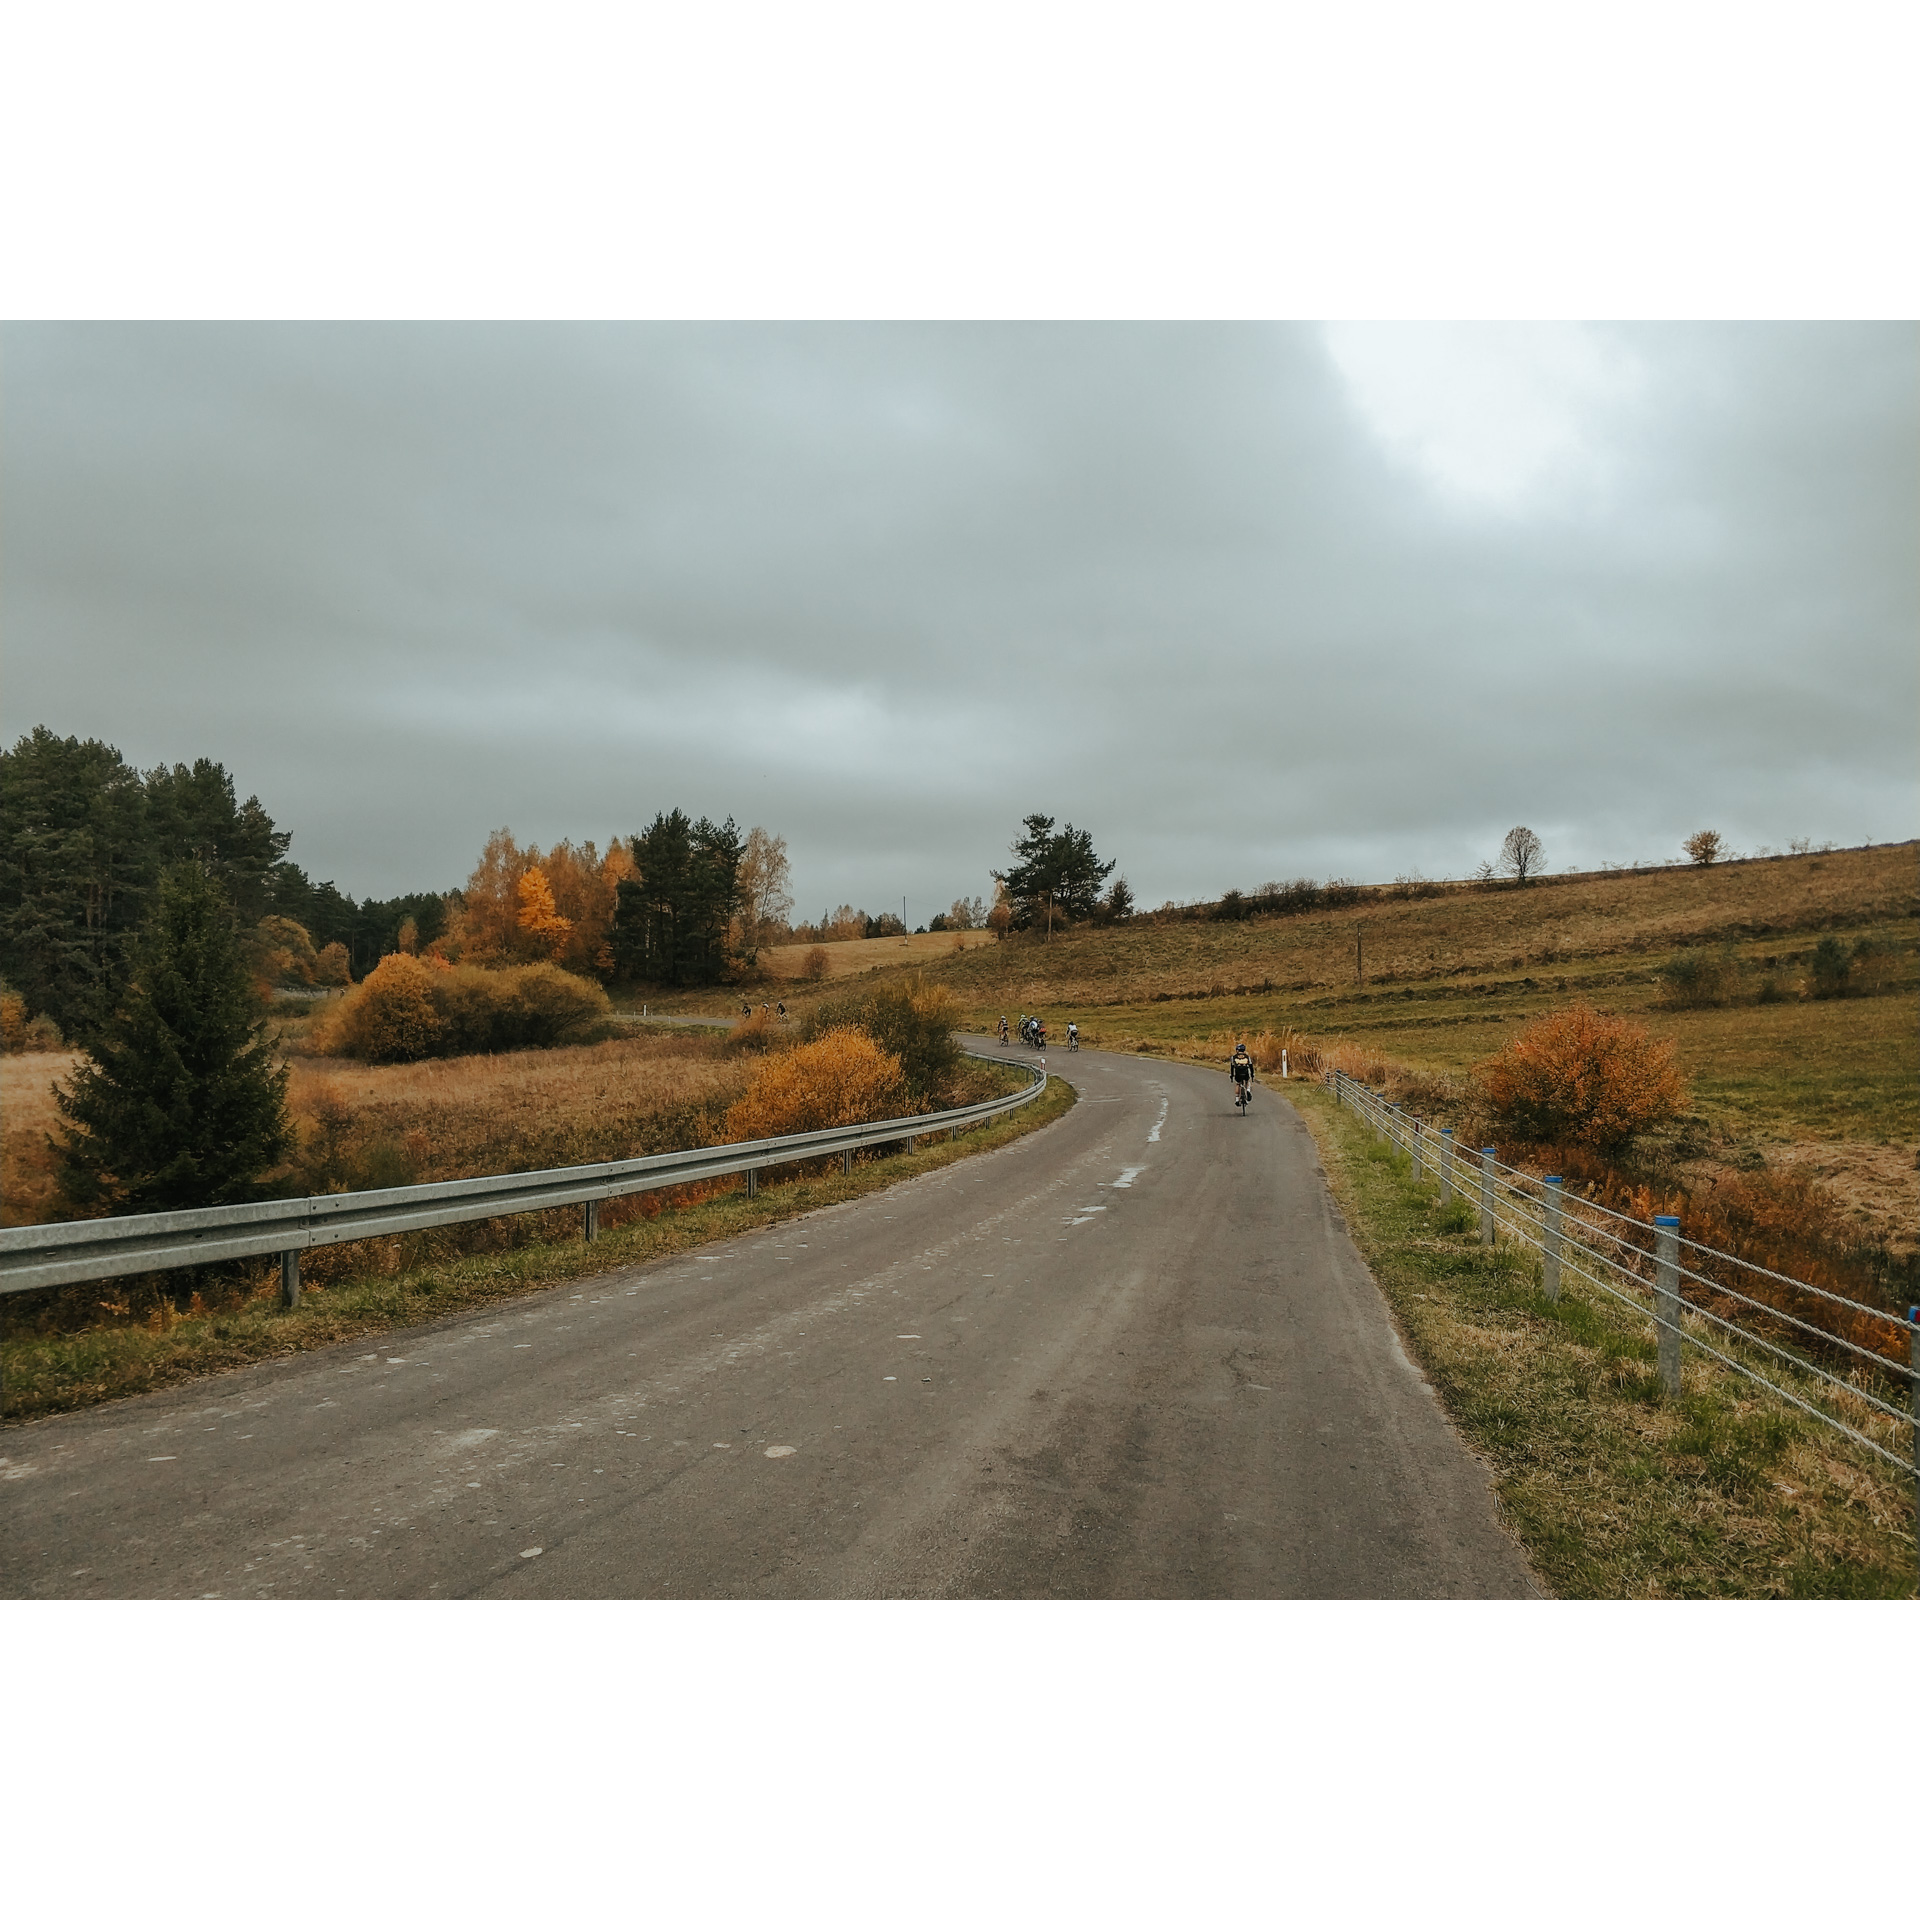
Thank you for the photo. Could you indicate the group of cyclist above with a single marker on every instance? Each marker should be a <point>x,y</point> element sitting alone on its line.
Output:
<point>1033,1032</point>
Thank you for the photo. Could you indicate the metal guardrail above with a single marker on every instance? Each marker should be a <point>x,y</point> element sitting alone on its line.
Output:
<point>72,1251</point>
<point>1694,1294</point>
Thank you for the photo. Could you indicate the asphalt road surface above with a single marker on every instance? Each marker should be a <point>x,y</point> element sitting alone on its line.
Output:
<point>1132,1354</point>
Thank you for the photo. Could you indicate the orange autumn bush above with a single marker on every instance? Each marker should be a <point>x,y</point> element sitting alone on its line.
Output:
<point>1582,1079</point>
<point>411,1009</point>
<point>836,1081</point>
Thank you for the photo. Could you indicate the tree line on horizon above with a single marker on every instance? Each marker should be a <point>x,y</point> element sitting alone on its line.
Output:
<point>86,839</point>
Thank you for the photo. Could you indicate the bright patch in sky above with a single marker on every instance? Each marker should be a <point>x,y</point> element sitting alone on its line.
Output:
<point>1493,416</point>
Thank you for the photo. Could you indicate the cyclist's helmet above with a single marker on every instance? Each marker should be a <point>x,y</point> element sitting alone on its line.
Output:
<point>1241,1048</point>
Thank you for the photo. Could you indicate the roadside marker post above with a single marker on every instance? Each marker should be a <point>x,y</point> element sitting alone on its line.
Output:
<point>1666,1253</point>
<point>1486,1196</point>
<point>1550,1252</point>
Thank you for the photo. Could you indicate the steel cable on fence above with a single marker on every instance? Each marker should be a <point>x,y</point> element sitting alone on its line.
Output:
<point>1514,1223</point>
<point>1515,1175</point>
<point>1720,1253</point>
<point>1898,1415</point>
<point>1745,1299</point>
<point>1578,1237</point>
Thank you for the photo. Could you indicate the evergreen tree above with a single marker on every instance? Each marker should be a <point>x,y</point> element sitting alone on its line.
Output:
<point>178,1103</point>
<point>1055,876</point>
<point>76,865</point>
<point>192,814</point>
<point>673,916</point>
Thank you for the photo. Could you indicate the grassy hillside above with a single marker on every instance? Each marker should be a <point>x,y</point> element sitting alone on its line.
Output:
<point>1437,978</point>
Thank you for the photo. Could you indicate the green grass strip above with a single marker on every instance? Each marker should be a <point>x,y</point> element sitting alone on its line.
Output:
<point>1614,1489</point>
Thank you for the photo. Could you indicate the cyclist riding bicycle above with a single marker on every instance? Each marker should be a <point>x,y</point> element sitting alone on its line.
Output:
<point>1003,1029</point>
<point>1240,1068</point>
<point>1073,1036</point>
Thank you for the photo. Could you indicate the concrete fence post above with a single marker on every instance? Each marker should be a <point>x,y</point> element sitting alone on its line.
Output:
<point>1550,1199</point>
<point>592,1226</point>
<point>290,1278</point>
<point>1666,1294</point>
<point>1446,1166</point>
<point>1486,1196</point>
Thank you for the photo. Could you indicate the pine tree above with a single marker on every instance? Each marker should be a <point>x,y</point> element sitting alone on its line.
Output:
<point>178,1103</point>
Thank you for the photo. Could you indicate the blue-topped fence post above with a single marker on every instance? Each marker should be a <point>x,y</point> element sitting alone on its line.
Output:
<point>1666,1289</point>
<point>1550,1199</point>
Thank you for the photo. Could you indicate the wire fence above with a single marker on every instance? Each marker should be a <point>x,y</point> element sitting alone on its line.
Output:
<point>1851,1366</point>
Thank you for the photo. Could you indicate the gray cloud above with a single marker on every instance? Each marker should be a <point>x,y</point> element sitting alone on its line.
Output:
<point>1244,601</point>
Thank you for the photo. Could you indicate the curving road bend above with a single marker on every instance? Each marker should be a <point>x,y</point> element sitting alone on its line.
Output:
<point>1133,1354</point>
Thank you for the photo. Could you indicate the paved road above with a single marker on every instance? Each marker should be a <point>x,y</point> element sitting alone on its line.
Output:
<point>1134,1353</point>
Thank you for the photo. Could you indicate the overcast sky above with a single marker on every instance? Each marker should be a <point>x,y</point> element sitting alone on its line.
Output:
<point>1245,601</point>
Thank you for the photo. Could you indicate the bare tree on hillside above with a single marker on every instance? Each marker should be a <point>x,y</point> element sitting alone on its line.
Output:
<point>1521,854</point>
<point>1703,848</point>
<point>764,899</point>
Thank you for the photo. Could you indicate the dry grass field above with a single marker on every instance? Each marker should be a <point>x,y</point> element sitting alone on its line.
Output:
<point>846,957</point>
<point>508,1113</point>
<point>27,1116</point>
<point>434,1119</point>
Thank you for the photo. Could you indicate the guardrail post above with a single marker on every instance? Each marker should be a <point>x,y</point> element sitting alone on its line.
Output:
<point>1446,1166</point>
<point>1337,1101</point>
<point>846,1161</point>
<point>590,1228</point>
<point>290,1278</point>
<point>1550,1220</point>
<point>1413,1146</point>
<point>753,1182</point>
<point>1486,1196</point>
<point>1666,1292</point>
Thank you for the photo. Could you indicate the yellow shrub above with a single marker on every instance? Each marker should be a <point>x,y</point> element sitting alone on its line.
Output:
<point>390,1015</point>
<point>409,1009</point>
<point>1584,1079</point>
<point>836,1081</point>
<point>13,1022</point>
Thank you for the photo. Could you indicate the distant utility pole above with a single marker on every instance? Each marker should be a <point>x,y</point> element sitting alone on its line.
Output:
<point>1360,955</point>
